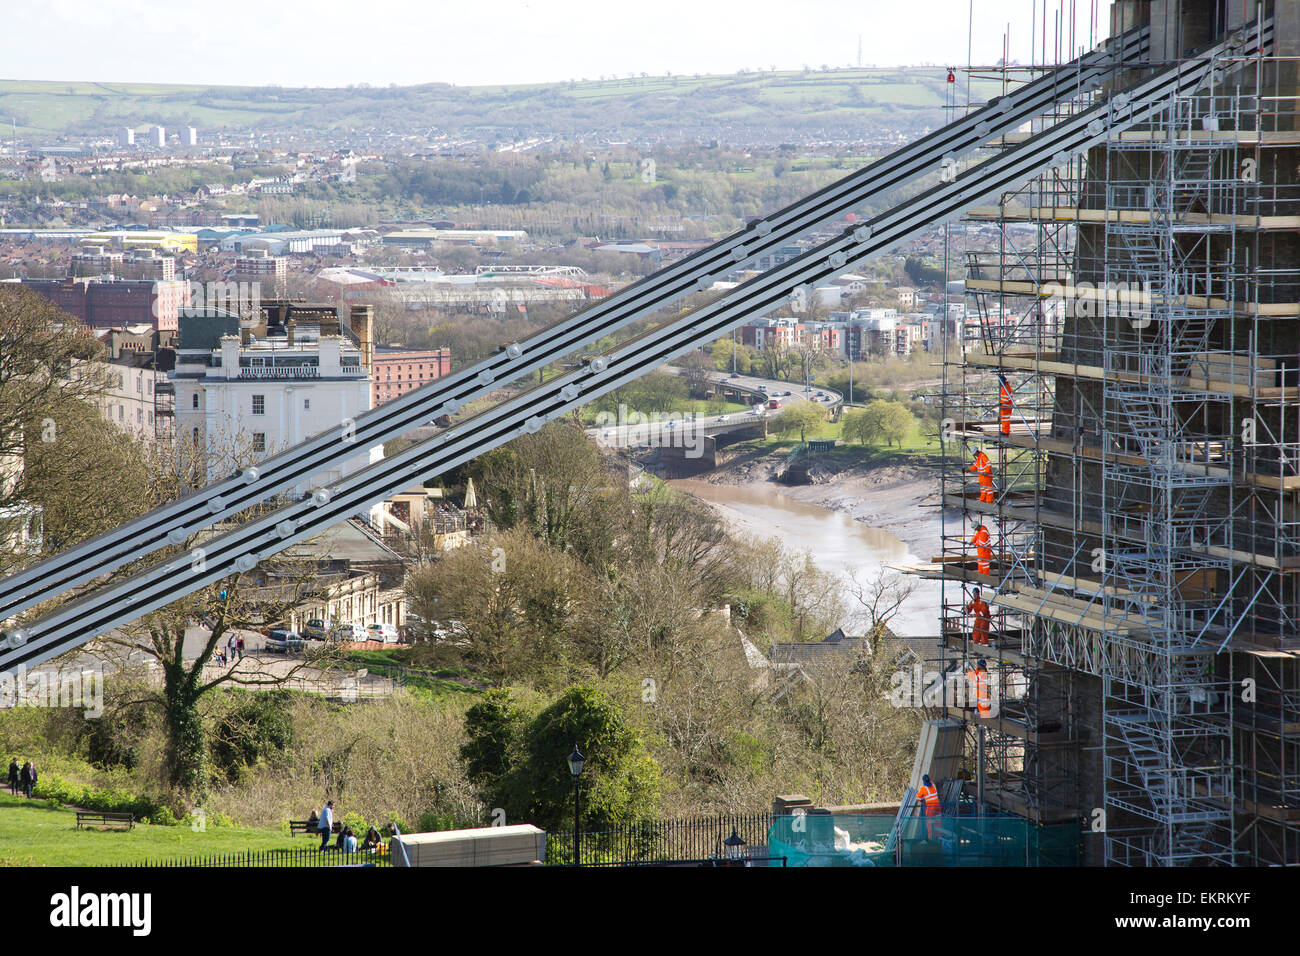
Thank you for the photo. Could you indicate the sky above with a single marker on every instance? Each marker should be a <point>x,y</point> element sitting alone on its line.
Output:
<point>382,42</point>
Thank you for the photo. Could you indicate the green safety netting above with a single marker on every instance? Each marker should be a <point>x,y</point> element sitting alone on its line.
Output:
<point>950,840</point>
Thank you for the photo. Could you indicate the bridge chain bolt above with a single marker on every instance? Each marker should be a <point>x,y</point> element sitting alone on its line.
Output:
<point>245,562</point>
<point>286,528</point>
<point>321,496</point>
<point>250,475</point>
<point>599,364</point>
<point>862,233</point>
<point>533,425</point>
<point>216,505</point>
<point>177,535</point>
<point>514,351</point>
<point>16,638</point>
<point>570,392</point>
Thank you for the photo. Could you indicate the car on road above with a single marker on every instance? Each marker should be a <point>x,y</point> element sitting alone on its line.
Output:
<point>282,641</point>
<point>788,393</point>
<point>735,375</point>
<point>820,394</point>
<point>762,388</point>
<point>387,633</point>
<point>347,632</point>
<point>774,403</point>
<point>722,418</point>
<point>318,628</point>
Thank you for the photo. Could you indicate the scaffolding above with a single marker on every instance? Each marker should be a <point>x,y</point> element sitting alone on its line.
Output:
<point>1134,387</point>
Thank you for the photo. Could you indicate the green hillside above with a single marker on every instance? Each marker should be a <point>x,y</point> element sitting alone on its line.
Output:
<point>794,101</point>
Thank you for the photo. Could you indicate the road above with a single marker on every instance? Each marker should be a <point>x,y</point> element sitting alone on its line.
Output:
<point>677,427</point>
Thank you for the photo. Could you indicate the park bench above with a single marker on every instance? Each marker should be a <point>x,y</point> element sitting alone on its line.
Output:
<point>311,827</point>
<point>95,818</point>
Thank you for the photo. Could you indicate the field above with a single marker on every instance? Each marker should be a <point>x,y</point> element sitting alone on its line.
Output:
<point>35,834</point>
<point>791,99</point>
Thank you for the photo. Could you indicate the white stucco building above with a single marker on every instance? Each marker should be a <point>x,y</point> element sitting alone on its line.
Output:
<point>268,393</point>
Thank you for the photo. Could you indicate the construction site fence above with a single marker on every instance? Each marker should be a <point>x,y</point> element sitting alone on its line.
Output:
<point>946,840</point>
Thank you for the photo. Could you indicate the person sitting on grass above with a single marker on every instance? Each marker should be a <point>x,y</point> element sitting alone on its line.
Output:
<point>373,839</point>
<point>349,840</point>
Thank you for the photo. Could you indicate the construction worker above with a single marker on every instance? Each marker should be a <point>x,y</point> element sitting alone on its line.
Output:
<point>977,681</point>
<point>979,610</point>
<point>983,549</point>
<point>1004,404</point>
<point>984,468</point>
<point>927,797</point>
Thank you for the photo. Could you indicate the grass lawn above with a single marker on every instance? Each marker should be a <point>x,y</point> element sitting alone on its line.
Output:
<point>33,834</point>
<point>435,683</point>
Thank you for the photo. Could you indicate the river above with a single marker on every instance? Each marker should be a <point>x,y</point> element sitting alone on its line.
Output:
<point>837,542</point>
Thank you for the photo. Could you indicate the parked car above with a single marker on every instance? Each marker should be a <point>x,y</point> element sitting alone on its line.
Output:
<point>283,641</point>
<point>347,632</point>
<point>318,628</point>
<point>382,632</point>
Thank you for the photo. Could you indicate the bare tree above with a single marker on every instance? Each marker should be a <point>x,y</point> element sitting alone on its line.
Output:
<point>879,599</point>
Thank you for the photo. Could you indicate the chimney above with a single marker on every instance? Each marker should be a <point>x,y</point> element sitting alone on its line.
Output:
<point>289,331</point>
<point>360,320</point>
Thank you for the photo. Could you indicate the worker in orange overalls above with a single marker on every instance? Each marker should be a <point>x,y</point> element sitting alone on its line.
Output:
<point>1004,404</point>
<point>984,468</point>
<point>983,549</point>
<point>977,681</point>
<point>927,796</point>
<point>979,632</point>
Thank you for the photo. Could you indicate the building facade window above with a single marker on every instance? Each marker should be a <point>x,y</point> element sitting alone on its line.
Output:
<point>259,441</point>
<point>259,404</point>
<point>195,400</point>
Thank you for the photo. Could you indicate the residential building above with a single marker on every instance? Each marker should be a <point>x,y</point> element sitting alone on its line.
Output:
<point>395,372</point>
<point>107,302</point>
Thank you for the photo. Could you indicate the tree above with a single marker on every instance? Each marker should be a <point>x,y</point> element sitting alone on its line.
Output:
<point>516,597</point>
<point>620,781</point>
<point>890,421</point>
<point>696,370</point>
<point>51,368</point>
<point>260,599</point>
<point>879,599</point>
<point>800,417</point>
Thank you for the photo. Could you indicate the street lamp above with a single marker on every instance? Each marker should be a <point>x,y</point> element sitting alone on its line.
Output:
<point>735,846</point>
<point>576,762</point>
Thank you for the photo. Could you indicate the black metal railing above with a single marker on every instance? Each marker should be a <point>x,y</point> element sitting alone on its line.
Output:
<point>296,857</point>
<point>660,842</point>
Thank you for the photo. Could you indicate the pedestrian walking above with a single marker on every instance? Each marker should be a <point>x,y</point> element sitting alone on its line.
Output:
<point>326,824</point>
<point>25,779</point>
<point>13,776</point>
<point>240,639</point>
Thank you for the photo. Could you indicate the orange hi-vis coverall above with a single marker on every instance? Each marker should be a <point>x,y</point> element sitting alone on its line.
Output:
<point>983,550</point>
<point>984,468</point>
<point>978,681</point>
<point>928,795</point>
<point>1004,405</point>
<point>979,632</point>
